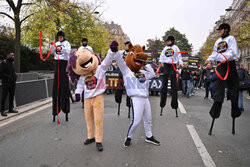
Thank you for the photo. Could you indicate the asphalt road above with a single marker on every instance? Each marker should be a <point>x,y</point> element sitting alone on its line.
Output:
<point>35,141</point>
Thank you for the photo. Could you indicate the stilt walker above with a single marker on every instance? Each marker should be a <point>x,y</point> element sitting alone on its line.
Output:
<point>61,81</point>
<point>169,59</point>
<point>225,53</point>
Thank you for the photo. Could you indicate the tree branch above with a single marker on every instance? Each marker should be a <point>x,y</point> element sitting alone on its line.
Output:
<point>12,5</point>
<point>19,4</point>
<point>7,15</point>
<point>27,17</point>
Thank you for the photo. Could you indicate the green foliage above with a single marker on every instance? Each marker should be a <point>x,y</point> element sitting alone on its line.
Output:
<point>75,21</point>
<point>180,39</point>
<point>155,45</point>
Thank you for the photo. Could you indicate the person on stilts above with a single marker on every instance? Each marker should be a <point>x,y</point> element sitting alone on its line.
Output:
<point>61,80</point>
<point>169,59</point>
<point>226,46</point>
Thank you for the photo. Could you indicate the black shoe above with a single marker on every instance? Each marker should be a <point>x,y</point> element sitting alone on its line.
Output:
<point>99,146</point>
<point>67,117</point>
<point>54,118</point>
<point>127,142</point>
<point>89,141</point>
<point>205,97</point>
<point>12,111</point>
<point>188,96</point>
<point>152,140</point>
<point>4,114</point>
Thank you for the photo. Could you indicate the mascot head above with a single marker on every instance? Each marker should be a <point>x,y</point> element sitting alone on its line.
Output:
<point>82,62</point>
<point>136,57</point>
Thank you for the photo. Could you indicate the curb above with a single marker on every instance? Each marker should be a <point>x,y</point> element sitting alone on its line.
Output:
<point>28,107</point>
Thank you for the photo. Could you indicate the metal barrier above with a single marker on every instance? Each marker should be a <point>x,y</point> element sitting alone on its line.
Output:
<point>31,91</point>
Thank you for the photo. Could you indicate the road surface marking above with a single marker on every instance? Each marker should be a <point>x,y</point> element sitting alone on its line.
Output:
<point>8,121</point>
<point>206,158</point>
<point>182,109</point>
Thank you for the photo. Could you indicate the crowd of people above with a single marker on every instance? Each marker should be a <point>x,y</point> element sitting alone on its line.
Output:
<point>170,67</point>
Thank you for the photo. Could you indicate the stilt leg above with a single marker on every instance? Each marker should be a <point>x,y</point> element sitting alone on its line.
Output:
<point>129,112</point>
<point>161,111</point>
<point>176,113</point>
<point>212,125</point>
<point>233,129</point>
<point>119,105</point>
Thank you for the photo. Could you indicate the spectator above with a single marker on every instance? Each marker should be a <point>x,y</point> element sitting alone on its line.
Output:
<point>85,45</point>
<point>241,74</point>
<point>185,77</point>
<point>208,72</point>
<point>9,77</point>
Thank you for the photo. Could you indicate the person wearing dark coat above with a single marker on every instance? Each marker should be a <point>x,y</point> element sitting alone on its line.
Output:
<point>241,74</point>
<point>185,78</point>
<point>9,78</point>
<point>207,73</point>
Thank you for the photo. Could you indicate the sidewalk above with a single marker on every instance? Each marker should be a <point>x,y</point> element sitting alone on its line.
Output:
<point>26,108</point>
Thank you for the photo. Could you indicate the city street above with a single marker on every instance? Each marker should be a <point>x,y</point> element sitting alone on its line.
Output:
<point>35,141</point>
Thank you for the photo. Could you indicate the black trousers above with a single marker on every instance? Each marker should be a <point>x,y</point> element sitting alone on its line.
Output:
<point>233,90</point>
<point>63,93</point>
<point>206,85</point>
<point>8,89</point>
<point>168,71</point>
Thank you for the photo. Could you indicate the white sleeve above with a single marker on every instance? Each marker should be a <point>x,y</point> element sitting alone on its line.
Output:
<point>121,63</point>
<point>149,72</point>
<point>107,60</point>
<point>80,86</point>
<point>53,48</point>
<point>162,56</point>
<point>179,56</point>
<point>213,56</point>
<point>66,50</point>
<point>233,49</point>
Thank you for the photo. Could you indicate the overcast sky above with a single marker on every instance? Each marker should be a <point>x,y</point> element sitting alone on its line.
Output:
<point>144,19</point>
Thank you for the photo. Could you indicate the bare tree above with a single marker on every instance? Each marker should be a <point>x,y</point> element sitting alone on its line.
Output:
<point>16,18</point>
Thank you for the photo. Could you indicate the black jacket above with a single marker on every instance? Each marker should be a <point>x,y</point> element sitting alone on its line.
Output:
<point>241,74</point>
<point>7,72</point>
<point>185,74</point>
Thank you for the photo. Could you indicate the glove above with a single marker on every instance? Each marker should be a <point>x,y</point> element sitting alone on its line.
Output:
<point>114,46</point>
<point>77,97</point>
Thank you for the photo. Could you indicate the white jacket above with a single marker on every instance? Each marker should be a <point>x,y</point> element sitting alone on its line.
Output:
<point>135,86</point>
<point>228,47</point>
<point>169,53</point>
<point>64,52</point>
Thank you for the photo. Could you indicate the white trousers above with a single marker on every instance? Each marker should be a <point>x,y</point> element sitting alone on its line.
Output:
<point>140,109</point>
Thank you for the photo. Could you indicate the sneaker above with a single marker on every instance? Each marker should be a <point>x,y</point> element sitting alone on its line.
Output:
<point>99,146</point>
<point>188,96</point>
<point>127,142</point>
<point>89,141</point>
<point>152,140</point>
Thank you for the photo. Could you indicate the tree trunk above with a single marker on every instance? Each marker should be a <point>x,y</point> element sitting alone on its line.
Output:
<point>17,43</point>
